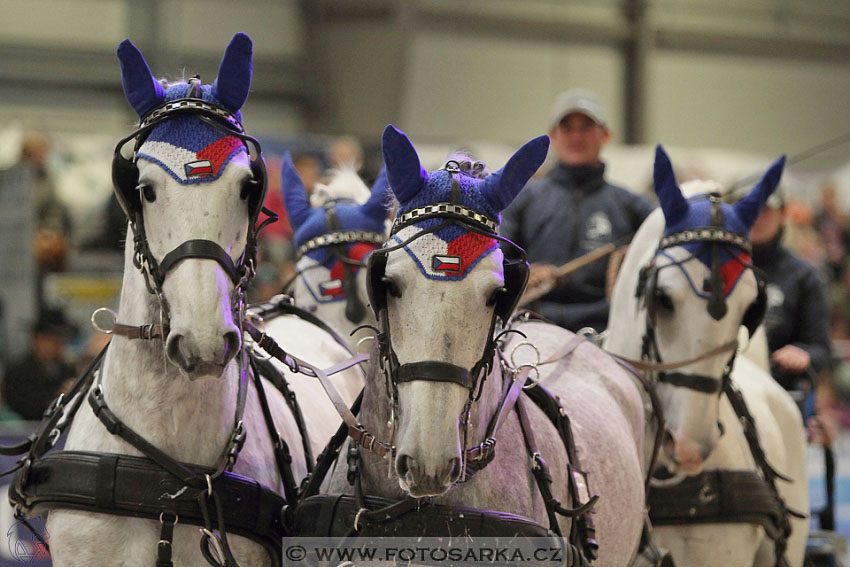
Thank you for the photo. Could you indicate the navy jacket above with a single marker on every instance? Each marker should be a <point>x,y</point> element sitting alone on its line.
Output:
<point>796,306</point>
<point>564,215</point>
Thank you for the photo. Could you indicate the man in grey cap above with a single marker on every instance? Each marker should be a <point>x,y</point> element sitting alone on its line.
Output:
<point>571,212</point>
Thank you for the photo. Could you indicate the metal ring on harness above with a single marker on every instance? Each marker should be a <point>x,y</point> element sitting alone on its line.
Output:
<point>361,341</point>
<point>162,520</point>
<point>109,326</point>
<point>524,343</point>
<point>535,381</point>
<point>357,518</point>
<point>256,350</point>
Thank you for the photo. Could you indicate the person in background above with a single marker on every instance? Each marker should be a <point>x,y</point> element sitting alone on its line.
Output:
<point>33,381</point>
<point>572,211</point>
<point>797,319</point>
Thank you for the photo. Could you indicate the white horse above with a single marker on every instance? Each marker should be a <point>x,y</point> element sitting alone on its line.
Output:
<point>684,289</point>
<point>193,192</point>
<point>334,239</point>
<point>443,278</point>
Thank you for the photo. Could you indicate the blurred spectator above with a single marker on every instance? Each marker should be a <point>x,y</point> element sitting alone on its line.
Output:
<point>346,151</point>
<point>310,167</point>
<point>32,382</point>
<point>796,322</point>
<point>571,212</point>
<point>834,228</point>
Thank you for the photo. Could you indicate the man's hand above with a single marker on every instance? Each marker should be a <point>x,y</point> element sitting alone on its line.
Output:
<point>542,274</point>
<point>791,358</point>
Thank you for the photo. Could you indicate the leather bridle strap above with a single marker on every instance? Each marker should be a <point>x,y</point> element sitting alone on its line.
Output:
<point>434,371</point>
<point>698,382</point>
<point>355,429</point>
<point>116,426</point>
<point>204,249</point>
<point>664,366</point>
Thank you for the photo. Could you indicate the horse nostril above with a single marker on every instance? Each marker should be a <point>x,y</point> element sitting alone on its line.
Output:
<point>232,342</point>
<point>174,351</point>
<point>453,471</point>
<point>402,466</point>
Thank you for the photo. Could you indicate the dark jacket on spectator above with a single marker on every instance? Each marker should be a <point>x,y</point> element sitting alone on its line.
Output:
<point>568,213</point>
<point>796,305</point>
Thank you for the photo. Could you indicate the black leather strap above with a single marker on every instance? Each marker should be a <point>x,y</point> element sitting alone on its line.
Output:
<point>434,371</point>
<point>141,488</point>
<point>200,249</point>
<point>698,382</point>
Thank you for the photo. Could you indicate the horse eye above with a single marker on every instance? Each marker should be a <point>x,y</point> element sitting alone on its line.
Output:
<point>247,186</point>
<point>392,287</point>
<point>662,299</point>
<point>148,193</point>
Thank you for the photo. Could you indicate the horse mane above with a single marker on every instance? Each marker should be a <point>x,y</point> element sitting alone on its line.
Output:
<point>462,156</point>
<point>342,183</point>
<point>696,187</point>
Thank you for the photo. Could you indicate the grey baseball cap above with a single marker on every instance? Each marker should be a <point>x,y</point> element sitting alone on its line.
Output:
<point>578,100</point>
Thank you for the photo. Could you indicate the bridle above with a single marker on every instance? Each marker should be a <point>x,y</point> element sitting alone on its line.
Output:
<point>503,301</point>
<point>718,239</point>
<point>337,241</point>
<point>125,178</point>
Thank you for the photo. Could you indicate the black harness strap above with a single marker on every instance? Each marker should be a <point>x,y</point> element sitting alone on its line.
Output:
<point>282,456</point>
<point>139,487</point>
<point>204,249</point>
<point>718,496</point>
<point>584,536</point>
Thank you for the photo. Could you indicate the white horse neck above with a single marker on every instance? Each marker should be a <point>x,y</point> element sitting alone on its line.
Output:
<point>189,420</point>
<point>625,339</point>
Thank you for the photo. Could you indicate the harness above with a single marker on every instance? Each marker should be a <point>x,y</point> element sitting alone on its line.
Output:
<point>723,495</point>
<point>363,514</point>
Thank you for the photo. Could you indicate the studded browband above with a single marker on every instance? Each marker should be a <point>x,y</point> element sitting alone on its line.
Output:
<point>194,105</point>
<point>342,237</point>
<point>443,210</point>
<point>708,234</point>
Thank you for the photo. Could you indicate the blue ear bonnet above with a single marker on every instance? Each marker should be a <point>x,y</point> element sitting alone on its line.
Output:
<point>351,217</point>
<point>699,216</point>
<point>192,141</point>
<point>438,189</point>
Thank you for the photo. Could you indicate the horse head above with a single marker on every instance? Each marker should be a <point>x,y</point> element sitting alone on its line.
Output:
<point>696,291</point>
<point>333,241</point>
<point>192,190</point>
<point>438,287</point>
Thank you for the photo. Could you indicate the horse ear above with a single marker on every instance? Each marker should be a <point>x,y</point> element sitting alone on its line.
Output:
<point>405,173</point>
<point>375,207</point>
<point>670,197</point>
<point>142,90</point>
<point>749,207</point>
<point>295,197</point>
<point>503,186</point>
<point>233,82</point>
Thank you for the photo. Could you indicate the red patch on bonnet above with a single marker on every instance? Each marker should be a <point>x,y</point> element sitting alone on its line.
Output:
<point>356,253</point>
<point>219,151</point>
<point>731,271</point>
<point>469,247</point>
